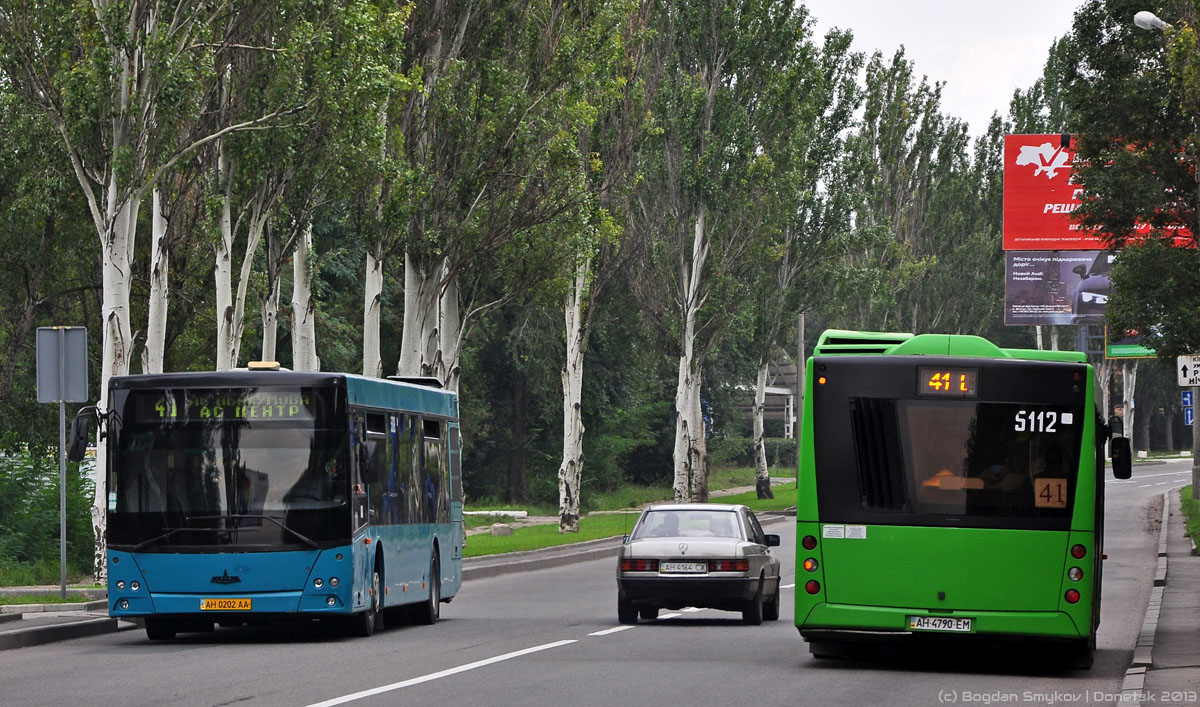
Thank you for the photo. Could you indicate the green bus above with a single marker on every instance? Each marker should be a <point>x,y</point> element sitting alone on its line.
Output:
<point>950,489</point>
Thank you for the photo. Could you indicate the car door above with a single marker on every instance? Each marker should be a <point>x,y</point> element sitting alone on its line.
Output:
<point>768,565</point>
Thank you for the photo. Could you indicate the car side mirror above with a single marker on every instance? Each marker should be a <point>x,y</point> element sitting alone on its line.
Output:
<point>772,540</point>
<point>1122,458</point>
<point>1081,271</point>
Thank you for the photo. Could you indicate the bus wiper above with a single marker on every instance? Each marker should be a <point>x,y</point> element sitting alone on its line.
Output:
<point>241,516</point>
<point>164,536</point>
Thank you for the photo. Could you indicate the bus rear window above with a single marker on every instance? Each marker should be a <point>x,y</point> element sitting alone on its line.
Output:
<point>964,459</point>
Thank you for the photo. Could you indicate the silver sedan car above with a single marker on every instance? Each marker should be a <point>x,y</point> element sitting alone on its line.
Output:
<point>705,555</point>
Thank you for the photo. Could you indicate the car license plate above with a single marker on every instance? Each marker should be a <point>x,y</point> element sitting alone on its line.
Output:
<point>939,623</point>
<point>224,605</point>
<point>683,567</point>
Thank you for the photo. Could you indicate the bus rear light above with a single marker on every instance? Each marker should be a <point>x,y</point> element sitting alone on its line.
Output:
<point>812,586</point>
<point>1072,596</point>
<point>810,565</point>
<point>809,542</point>
<point>1075,574</point>
<point>631,565</point>
<point>1078,552</point>
<point>729,565</point>
<point>821,380</point>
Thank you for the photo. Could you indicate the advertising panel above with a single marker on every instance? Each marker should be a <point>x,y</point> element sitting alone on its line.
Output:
<point>1127,345</point>
<point>1056,287</point>
<point>1039,196</point>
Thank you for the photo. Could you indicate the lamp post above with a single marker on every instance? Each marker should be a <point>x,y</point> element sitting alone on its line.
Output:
<point>1148,20</point>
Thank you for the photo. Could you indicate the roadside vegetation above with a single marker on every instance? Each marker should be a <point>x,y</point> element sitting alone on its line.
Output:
<point>1191,513</point>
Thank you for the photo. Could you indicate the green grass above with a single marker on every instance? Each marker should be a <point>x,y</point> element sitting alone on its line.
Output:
<point>45,599</point>
<point>785,497</point>
<point>535,537</point>
<point>1191,513</point>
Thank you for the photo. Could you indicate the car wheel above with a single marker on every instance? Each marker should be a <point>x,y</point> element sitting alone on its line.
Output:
<point>431,610</point>
<point>752,615</point>
<point>159,629</point>
<point>648,613</point>
<point>771,608</point>
<point>627,613</point>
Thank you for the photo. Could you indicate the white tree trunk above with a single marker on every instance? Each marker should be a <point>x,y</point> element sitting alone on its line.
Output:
<point>419,338</point>
<point>160,261</point>
<point>238,321</point>
<point>570,471</point>
<point>223,273</point>
<point>689,427</point>
<point>450,332</point>
<point>270,322</point>
<point>372,303</point>
<point>304,332</point>
<point>1130,381</point>
<point>762,475</point>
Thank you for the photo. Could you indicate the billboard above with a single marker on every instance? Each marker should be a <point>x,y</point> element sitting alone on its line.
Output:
<point>1056,287</point>
<point>1126,345</point>
<point>1039,196</point>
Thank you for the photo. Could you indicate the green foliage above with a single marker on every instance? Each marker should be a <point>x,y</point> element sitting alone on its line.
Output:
<point>1191,512</point>
<point>739,451</point>
<point>29,518</point>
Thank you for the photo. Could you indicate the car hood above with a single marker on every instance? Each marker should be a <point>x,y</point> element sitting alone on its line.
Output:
<point>684,547</point>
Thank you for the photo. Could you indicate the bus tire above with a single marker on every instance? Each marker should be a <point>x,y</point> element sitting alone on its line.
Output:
<point>159,628</point>
<point>1083,653</point>
<point>752,615</point>
<point>648,613</point>
<point>428,613</point>
<point>364,623</point>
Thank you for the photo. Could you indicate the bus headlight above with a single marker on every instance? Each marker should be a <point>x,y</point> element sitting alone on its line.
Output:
<point>121,585</point>
<point>134,586</point>
<point>330,600</point>
<point>124,603</point>
<point>318,583</point>
<point>333,581</point>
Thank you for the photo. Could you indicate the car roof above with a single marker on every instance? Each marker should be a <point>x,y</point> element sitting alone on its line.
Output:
<point>695,507</point>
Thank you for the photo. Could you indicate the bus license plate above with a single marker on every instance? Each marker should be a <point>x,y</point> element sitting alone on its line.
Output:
<point>683,567</point>
<point>939,623</point>
<point>224,605</point>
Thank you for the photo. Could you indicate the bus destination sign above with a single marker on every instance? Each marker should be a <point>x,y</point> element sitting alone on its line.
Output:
<point>947,382</point>
<point>224,405</point>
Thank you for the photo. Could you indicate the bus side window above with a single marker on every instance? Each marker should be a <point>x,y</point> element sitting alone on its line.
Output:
<point>456,489</point>
<point>416,472</point>
<point>435,472</point>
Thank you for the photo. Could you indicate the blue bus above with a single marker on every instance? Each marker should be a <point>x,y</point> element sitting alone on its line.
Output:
<point>260,495</point>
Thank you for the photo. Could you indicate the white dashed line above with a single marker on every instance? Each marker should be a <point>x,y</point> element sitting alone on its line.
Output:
<point>614,629</point>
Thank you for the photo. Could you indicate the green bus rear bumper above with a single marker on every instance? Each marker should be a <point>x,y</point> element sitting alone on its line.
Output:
<point>825,620</point>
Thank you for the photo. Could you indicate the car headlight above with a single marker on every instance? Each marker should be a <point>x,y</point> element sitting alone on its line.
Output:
<point>1093,298</point>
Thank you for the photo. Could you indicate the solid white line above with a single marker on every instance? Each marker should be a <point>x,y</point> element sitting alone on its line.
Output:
<point>669,616</point>
<point>440,674</point>
<point>787,586</point>
<point>614,629</point>
<point>1162,483</point>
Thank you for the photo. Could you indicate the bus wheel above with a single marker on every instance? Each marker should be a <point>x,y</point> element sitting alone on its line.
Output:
<point>752,615</point>
<point>648,613</point>
<point>159,629</point>
<point>1083,653</point>
<point>431,610</point>
<point>364,624</point>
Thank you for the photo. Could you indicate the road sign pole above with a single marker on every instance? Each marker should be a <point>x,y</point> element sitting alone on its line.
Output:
<point>1195,449</point>
<point>62,465</point>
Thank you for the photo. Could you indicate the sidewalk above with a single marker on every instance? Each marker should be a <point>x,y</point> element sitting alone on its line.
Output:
<point>1166,666</point>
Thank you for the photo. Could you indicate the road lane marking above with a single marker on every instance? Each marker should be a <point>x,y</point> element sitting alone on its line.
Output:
<point>669,616</point>
<point>614,629</point>
<point>441,674</point>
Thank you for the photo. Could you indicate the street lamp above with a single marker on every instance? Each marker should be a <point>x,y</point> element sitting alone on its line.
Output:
<point>1148,20</point>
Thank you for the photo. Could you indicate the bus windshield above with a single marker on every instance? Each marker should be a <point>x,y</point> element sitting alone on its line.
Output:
<point>213,468</point>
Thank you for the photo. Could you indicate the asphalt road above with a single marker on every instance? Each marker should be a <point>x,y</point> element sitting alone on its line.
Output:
<point>551,637</point>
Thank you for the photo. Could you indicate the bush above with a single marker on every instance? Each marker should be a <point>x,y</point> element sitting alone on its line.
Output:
<point>29,519</point>
<point>739,451</point>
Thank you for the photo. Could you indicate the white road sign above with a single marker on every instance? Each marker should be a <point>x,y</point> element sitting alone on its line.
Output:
<point>1188,369</point>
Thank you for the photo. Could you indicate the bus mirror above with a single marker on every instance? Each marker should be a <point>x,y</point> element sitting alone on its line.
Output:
<point>1122,461</point>
<point>366,470</point>
<point>1116,426</point>
<point>77,447</point>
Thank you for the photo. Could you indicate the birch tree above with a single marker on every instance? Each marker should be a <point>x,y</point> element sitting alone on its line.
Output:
<point>105,80</point>
<point>723,99</point>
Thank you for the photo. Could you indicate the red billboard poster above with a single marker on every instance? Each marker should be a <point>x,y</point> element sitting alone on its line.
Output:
<point>1039,196</point>
<point>1052,287</point>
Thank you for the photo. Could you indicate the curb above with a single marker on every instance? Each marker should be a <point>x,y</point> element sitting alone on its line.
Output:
<point>18,609</point>
<point>37,635</point>
<point>1135,675</point>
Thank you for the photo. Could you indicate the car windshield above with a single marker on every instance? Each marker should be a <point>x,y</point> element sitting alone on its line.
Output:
<point>688,524</point>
